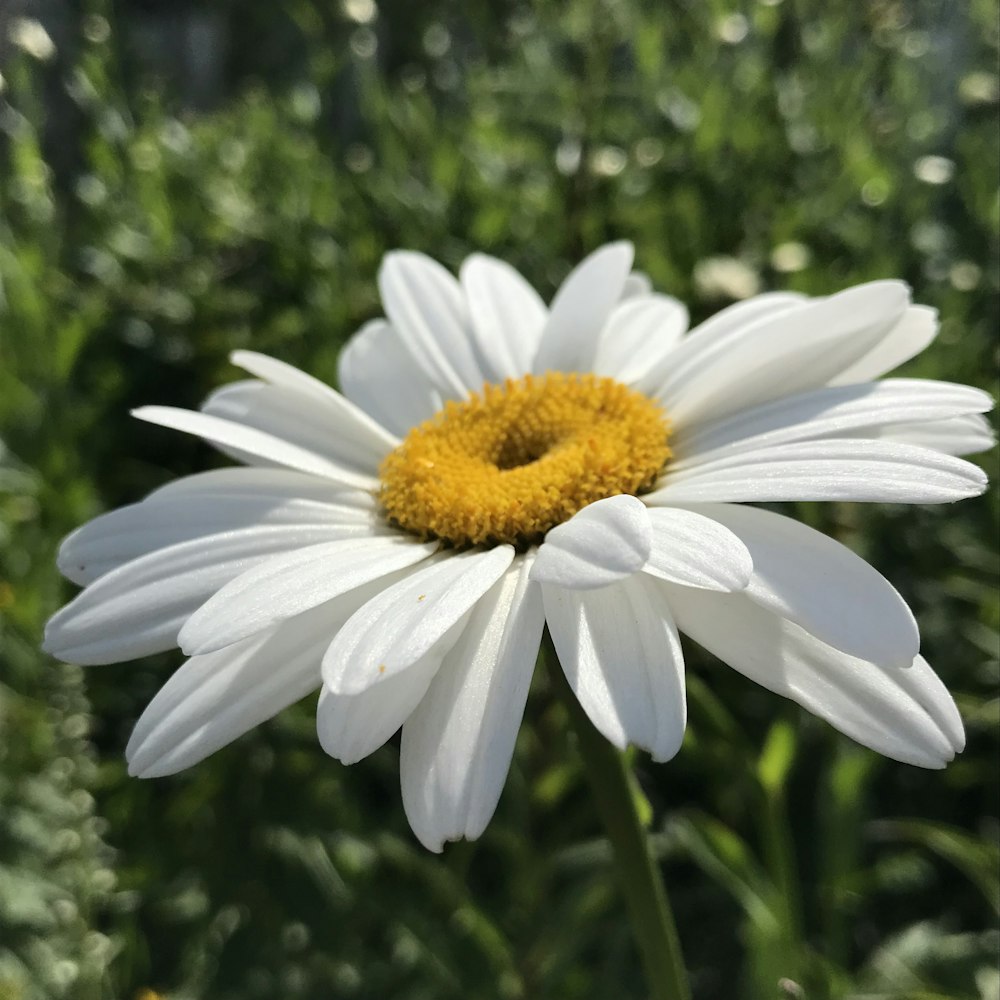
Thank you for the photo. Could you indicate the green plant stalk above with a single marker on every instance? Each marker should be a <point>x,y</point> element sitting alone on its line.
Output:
<point>779,852</point>
<point>615,794</point>
<point>785,955</point>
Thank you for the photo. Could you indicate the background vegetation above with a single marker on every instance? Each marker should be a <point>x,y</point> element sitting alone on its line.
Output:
<point>153,218</point>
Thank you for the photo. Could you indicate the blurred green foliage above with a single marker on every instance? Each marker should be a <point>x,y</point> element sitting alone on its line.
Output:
<point>773,144</point>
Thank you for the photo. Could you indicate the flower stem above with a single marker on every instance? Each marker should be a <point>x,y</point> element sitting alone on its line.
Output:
<point>616,795</point>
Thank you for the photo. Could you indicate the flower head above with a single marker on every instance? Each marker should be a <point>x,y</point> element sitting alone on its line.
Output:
<point>494,466</point>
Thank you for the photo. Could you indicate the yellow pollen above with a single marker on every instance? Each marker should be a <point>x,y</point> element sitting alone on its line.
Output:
<point>516,459</point>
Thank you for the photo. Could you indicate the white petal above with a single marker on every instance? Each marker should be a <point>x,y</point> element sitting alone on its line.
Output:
<point>379,374</point>
<point>263,482</point>
<point>424,303</point>
<point>580,309</point>
<point>816,582</point>
<point>835,469</point>
<point>696,551</point>
<point>350,419</point>
<point>912,334</point>
<point>903,713</point>
<point>711,376</point>
<point>605,542</point>
<point>841,411</point>
<point>289,584</point>
<point>621,655</point>
<point>139,608</point>
<point>637,283</point>
<point>212,700</point>
<point>457,744</point>
<point>638,335</point>
<point>254,442</point>
<point>286,376</point>
<point>965,435</point>
<point>351,726</point>
<point>507,317</point>
<point>408,621</point>
<point>290,417</point>
<point>922,684</point>
<point>742,314</point>
<point>164,519</point>
<point>330,425</point>
<point>722,325</point>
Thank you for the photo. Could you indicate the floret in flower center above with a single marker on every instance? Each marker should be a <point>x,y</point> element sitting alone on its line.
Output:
<point>514,460</point>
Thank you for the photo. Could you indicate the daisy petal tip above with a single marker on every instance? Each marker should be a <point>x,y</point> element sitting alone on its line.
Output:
<point>141,757</point>
<point>894,287</point>
<point>945,712</point>
<point>134,771</point>
<point>433,840</point>
<point>620,247</point>
<point>475,261</point>
<point>190,647</point>
<point>48,634</point>
<point>395,259</point>
<point>49,647</point>
<point>330,675</point>
<point>60,652</point>
<point>161,416</point>
<point>390,259</point>
<point>618,740</point>
<point>204,636</point>
<point>893,659</point>
<point>662,755</point>
<point>931,760</point>
<point>975,485</point>
<point>694,550</point>
<point>156,769</point>
<point>142,763</point>
<point>475,826</point>
<point>669,746</point>
<point>191,642</point>
<point>620,254</point>
<point>601,544</point>
<point>72,569</point>
<point>900,648</point>
<point>56,644</point>
<point>740,569</point>
<point>324,745</point>
<point>241,358</point>
<point>739,574</point>
<point>323,736</point>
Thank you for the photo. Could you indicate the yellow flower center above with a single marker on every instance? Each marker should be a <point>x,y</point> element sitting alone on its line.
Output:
<point>516,459</point>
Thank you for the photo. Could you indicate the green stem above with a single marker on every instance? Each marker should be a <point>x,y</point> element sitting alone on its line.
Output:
<point>613,786</point>
<point>779,852</point>
<point>779,855</point>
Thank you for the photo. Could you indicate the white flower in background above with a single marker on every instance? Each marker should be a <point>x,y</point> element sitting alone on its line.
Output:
<point>725,278</point>
<point>495,465</point>
<point>30,36</point>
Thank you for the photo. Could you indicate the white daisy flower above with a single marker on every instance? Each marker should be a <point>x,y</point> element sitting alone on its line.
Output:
<point>495,465</point>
